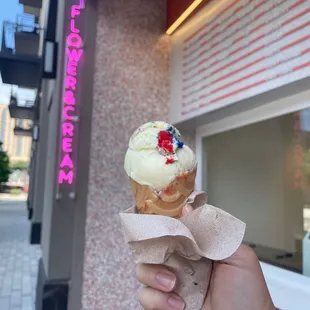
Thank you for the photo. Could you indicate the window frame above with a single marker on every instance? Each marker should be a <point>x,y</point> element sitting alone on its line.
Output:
<point>289,290</point>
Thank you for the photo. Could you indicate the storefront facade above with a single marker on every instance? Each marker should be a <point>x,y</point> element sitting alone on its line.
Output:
<point>254,176</point>
<point>240,79</point>
<point>233,78</point>
<point>240,76</point>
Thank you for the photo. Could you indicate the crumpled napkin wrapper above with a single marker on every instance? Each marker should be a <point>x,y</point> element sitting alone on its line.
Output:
<point>187,245</point>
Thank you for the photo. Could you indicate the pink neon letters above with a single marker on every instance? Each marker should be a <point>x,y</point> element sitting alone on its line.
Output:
<point>74,52</point>
<point>66,162</point>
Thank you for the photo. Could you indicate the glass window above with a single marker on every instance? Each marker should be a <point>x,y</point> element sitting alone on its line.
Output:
<point>261,174</point>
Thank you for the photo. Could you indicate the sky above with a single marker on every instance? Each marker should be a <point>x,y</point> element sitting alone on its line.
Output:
<point>9,10</point>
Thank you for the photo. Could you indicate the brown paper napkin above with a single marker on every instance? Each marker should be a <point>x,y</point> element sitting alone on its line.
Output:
<point>187,245</point>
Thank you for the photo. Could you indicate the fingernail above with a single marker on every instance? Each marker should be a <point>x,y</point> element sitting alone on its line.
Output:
<point>176,303</point>
<point>166,280</point>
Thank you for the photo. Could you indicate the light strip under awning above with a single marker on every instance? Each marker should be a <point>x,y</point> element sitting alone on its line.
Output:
<point>183,17</point>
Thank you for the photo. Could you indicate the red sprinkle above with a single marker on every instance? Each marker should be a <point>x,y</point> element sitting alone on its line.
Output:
<point>167,191</point>
<point>165,141</point>
<point>170,161</point>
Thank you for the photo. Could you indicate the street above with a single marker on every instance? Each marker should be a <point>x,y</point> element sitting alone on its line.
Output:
<point>18,259</point>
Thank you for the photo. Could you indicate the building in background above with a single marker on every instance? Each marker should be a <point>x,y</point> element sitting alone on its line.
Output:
<point>17,146</point>
<point>233,77</point>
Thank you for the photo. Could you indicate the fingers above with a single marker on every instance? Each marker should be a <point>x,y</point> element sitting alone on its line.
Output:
<point>158,295</point>
<point>157,277</point>
<point>152,299</point>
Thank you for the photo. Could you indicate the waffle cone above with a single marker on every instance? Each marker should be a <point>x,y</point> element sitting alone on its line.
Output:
<point>170,201</point>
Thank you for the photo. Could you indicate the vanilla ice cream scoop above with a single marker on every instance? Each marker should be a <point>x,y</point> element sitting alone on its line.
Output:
<point>156,156</point>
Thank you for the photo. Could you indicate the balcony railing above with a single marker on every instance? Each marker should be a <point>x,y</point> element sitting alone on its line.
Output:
<point>21,108</point>
<point>20,38</point>
<point>32,11</point>
<point>20,62</point>
<point>32,3</point>
<point>23,128</point>
<point>23,103</point>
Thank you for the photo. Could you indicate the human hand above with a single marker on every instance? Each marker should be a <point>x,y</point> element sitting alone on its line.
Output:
<point>237,283</point>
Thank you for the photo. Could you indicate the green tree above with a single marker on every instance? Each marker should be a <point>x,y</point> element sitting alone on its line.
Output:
<point>19,165</point>
<point>5,170</point>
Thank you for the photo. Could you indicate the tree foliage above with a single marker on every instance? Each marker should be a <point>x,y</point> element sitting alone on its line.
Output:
<point>20,165</point>
<point>5,170</point>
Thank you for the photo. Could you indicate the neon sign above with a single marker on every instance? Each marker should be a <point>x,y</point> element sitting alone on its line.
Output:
<point>74,53</point>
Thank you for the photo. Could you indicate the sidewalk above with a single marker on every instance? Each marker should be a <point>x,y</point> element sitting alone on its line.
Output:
<point>18,259</point>
<point>9,197</point>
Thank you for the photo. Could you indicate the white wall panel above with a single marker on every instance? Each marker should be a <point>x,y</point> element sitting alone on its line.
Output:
<point>235,49</point>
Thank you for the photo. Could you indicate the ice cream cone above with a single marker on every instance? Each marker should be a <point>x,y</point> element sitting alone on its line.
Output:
<point>162,170</point>
<point>169,201</point>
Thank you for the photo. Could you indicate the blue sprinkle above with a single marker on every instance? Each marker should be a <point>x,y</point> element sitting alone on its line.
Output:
<point>180,144</point>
